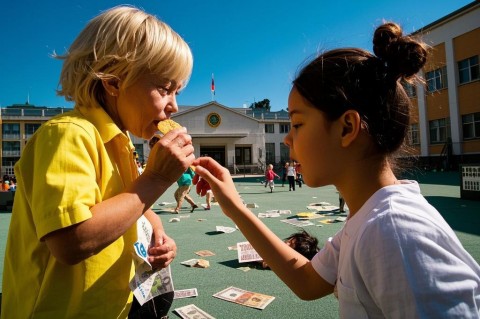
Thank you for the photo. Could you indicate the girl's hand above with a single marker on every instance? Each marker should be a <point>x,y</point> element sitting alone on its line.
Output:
<point>218,178</point>
<point>170,156</point>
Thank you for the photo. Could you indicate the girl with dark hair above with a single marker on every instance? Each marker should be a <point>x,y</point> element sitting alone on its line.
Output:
<point>396,257</point>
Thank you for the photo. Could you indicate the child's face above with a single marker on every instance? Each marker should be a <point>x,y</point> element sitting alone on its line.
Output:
<point>313,142</point>
<point>142,105</point>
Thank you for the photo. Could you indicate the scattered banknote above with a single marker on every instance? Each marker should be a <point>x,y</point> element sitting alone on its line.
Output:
<point>190,262</point>
<point>185,293</point>
<point>268,215</point>
<point>244,297</point>
<point>246,253</point>
<point>225,229</point>
<point>296,222</point>
<point>308,215</point>
<point>333,221</point>
<point>199,263</point>
<point>205,253</point>
<point>322,207</point>
<point>252,205</point>
<point>279,211</point>
<point>192,312</point>
<point>147,283</point>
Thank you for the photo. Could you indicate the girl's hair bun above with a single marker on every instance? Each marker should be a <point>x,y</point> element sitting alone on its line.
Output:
<point>403,56</point>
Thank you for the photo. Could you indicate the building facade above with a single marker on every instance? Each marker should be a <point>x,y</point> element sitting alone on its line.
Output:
<point>445,130</point>
<point>243,140</point>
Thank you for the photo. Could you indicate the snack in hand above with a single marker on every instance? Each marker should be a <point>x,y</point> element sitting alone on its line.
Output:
<point>166,126</point>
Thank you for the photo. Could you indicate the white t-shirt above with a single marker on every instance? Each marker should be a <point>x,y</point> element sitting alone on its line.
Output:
<point>290,171</point>
<point>398,258</point>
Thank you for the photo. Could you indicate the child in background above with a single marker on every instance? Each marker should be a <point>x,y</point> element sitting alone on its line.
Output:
<point>395,257</point>
<point>302,242</point>
<point>184,184</point>
<point>270,176</point>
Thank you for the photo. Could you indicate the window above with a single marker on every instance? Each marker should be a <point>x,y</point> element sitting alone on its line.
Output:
<point>414,134</point>
<point>30,128</point>
<point>468,70</point>
<point>9,161</point>
<point>285,128</point>
<point>439,131</point>
<point>436,79</point>
<point>284,153</point>
<point>11,130</point>
<point>410,89</point>
<point>270,153</point>
<point>243,155</point>
<point>11,148</point>
<point>269,128</point>
<point>471,126</point>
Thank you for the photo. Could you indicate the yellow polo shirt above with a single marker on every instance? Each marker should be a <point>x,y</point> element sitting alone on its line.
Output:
<point>71,163</point>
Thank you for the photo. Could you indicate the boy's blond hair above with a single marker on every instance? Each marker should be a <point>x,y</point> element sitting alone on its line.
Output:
<point>121,44</point>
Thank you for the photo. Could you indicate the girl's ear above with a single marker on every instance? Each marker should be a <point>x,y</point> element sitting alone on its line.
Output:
<point>111,86</point>
<point>351,126</point>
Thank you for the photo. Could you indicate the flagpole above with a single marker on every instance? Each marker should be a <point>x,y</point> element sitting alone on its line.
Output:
<point>212,88</point>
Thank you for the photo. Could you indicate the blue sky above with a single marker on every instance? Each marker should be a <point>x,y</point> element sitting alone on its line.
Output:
<point>253,47</point>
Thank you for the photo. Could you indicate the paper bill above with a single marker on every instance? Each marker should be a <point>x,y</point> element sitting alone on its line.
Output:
<point>296,222</point>
<point>308,216</point>
<point>200,263</point>
<point>246,253</point>
<point>192,312</point>
<point>268,215</point>
<point>322,207</point>
<point>148,283</point>
<point>245,298</point>
<point>185,293</point>
<point>225,229</point>
<point>190,262</point>
<point>205,253</point>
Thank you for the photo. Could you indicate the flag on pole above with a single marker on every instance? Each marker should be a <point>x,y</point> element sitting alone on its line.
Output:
<point>213,85</point>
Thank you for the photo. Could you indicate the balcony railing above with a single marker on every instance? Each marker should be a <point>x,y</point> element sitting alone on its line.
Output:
<point>34,112</point>
<point>11,153</point>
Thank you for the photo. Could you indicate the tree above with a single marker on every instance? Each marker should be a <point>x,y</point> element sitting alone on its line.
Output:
<point>264,104</point>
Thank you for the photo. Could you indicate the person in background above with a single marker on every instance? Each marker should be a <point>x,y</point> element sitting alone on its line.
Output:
<point>298,175</point>
<point>79,191</point>
<point>270,177</point>
<point>5,183</point>
<point>302,242</point>
<point>291,175</point>
<point>395,257</point>
<point>183,190</point>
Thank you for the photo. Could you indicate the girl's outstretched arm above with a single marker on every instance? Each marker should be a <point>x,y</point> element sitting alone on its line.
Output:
<point>292,268</point>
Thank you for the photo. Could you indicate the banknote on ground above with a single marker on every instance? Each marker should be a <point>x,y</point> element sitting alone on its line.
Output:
<point>185,293</point>
<point>246,253</point>
<point>192,312</point>
<point>245,298</point>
